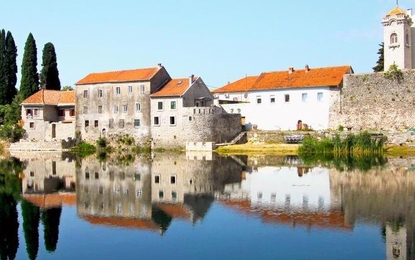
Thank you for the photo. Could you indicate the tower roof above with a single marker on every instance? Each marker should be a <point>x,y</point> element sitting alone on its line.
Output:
<point>395,11</point>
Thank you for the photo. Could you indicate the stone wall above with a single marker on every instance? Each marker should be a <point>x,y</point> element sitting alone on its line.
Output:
<point>372,102</point>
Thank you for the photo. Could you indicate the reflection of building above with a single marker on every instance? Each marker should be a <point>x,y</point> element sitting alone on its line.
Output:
<point>396,243</point>
<point>48,179</point>
<point>287,195</point>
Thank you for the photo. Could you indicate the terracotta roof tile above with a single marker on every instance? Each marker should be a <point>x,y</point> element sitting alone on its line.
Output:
<point>122,222</point>
<point>313,77</point>
<point>243,84</point>
<point>395,11</point>
<point>51,97</point>
<point>119,76</point>
<point>175,87</point>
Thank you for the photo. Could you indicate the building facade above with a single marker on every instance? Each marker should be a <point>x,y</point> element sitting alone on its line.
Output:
<point>285,100</point>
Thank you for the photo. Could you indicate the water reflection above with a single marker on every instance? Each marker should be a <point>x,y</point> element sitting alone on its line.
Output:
<point>149,194</point>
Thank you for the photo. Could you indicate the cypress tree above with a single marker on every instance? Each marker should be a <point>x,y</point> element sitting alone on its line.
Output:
<point>49,76</point>
<point>29,83</point>
<point>11,67</point>
<point>3,68</point>
<point>380,63</point>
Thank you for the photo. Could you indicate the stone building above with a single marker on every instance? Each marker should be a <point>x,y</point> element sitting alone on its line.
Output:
<point>150,106</point>
<point>49,115</point>
<point>398,35</point>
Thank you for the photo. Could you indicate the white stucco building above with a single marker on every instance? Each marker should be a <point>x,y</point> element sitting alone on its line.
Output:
<point>279,100</point>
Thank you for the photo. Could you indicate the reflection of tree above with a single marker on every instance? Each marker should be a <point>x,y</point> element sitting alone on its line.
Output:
<point>9,225</point>
<point>50,221</point>
<point>10,187</point>
<point>31,217</point>
<point>161,219</point>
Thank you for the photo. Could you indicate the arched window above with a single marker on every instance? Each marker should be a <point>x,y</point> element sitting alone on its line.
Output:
<point>407,39</point>
<point>394,38</point>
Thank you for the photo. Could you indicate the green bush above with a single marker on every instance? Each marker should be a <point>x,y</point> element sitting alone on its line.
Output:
<point>11,132</point>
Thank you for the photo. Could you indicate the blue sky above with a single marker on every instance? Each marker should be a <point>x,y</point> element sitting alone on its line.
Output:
<point>219,40</point>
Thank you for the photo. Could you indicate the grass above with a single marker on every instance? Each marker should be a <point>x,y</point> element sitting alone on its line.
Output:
<point>259,148</point>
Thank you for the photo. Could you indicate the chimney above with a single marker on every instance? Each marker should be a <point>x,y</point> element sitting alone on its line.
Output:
<point>159,65</point>
<point>409,12</point>
<point>191,79</point>
<point>290,70</point>
<point>307,68</point>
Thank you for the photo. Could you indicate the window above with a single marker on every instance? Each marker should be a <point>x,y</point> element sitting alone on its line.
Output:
<point>96,123</point>
<point>137,107</point>
<point>157,179</point>
<point>99,109</point>
<point>136,122</point>
<point>86,123</point>
<point>156,120</point>
<point>407,39</point>
<point>124,108</point>
<point>111,123</point>
<point>160,105</point>
<point>35,112</point>
<point>85,93</point>
<point>130,89</point>
<point>272,99</point>
<point>99,92</point>
<point>137,177</point>
<point>258,100</point>
<point>190,118</point>
<point>394,38</point>
<point>172,120</point>
<point>304,97</point>
<point>142,89</point>
<point>32,125</point>
<point>161,194</point>
<point>173,105</point>
<point>173,179</point>
<point>287,98</point>
<point>96,175</point>
<point>72,112</point>
<point>115,109</point>
<point>121,123</point>
<point>320,96</point>
<point>117,90</point>
<point>61,112</point>
<point>85,109</point>
<point>138,193</point>
<point>87,175</point>
<point>173,195</point>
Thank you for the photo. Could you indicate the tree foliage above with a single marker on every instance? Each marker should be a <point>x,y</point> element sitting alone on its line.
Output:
<point>380,63</point>
<point>49,76</point>
<point>29,83</point>
<point>8,67</point>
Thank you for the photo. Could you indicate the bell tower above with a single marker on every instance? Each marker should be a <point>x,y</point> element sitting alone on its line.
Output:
<point>397,38</point>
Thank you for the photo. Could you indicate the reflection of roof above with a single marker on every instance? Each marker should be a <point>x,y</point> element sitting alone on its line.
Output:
<point>51,97</point>
<point>333,219</point>
<point>144,74</point>
<point>53,200</point>
<point>175,210</point>
<point>122,222</point>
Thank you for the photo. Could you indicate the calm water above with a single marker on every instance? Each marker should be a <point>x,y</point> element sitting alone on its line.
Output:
<point>202,206</point>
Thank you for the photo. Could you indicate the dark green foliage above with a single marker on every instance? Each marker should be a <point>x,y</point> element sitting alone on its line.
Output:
<point>394,73</point>
<point>49,76</point>
<point>102,142</point>
<point>380,63</point>
<point>31,217</point>
<point>29,83</point>
<point>65,88</point>
<point>50,221</point>
<point>11,132</point>
<point>9,227</point>
<point>84,149</point>
<point>8,68</point>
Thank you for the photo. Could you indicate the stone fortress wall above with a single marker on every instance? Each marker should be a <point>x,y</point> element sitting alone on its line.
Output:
<point>373,102</point>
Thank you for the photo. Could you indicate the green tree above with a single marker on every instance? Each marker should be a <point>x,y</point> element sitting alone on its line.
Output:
<point>49,76</point>
<point>67,88</point>
<point>3,68</point>
<point>29,83</point>
<point>380,63</point>
<point>11,67</point>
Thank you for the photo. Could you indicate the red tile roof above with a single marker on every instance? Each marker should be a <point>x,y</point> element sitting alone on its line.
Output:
<point>175,87</point>
<point>243,84</point>
<point>119,76</point>
<point>51,97</point>
<point>313,77</point>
